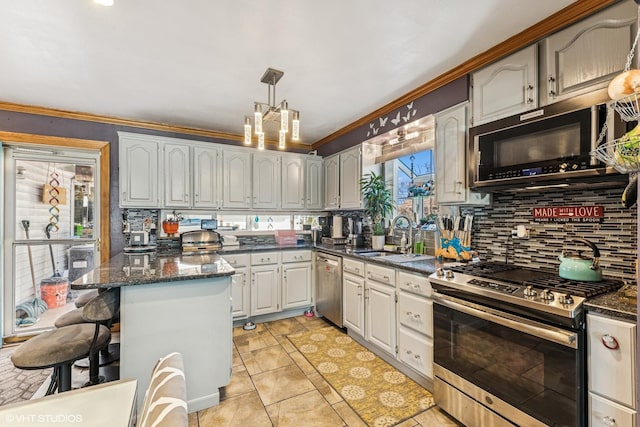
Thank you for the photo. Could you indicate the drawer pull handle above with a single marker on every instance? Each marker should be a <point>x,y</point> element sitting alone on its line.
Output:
<point>610,342</point>
<point>416,316</point>
<point>609,421</point>
<point>409,352</point>
<point>417,357</point>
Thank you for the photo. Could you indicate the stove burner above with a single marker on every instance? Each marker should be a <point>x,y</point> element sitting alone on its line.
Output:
<point>539,279</point>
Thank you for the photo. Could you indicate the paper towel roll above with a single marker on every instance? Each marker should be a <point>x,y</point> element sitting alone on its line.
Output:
<point>336,232</point>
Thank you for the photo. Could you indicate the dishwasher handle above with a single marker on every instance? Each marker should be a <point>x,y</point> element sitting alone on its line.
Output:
<point>329,261</point>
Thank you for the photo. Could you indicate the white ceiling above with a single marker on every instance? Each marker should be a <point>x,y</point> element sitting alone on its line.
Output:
<point>198,63</point>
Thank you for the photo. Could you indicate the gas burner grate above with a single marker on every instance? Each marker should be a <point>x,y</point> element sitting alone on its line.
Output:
<point>482,269</point>
<point>575,287</point>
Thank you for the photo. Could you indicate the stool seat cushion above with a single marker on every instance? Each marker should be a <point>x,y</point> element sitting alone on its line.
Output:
<point>85,298</point>
<point>164,402</point>
<point>59,346</point>
<point>72,317</point>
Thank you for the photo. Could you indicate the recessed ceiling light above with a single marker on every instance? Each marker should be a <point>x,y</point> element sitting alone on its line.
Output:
<point>104,2</point>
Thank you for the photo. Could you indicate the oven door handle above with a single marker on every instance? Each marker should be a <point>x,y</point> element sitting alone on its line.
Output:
<point>546,332</point>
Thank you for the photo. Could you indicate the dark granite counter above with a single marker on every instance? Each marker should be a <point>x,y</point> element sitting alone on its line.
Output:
<point>127,269</point>
<point>261,248</point>
<point>621,304</point>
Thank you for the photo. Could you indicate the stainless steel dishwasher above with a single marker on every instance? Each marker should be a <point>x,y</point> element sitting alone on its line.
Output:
<point>329,287</point>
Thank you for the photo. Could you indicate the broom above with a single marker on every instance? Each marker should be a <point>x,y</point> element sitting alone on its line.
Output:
<point>34,308</point>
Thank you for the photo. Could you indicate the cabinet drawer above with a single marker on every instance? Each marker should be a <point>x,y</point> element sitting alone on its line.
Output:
<point>416,313</point>
<point>352,266</point>
<point>605,413</point>
<point>414,283</point>
<point>238,260</point>
<point>612,371</point>
<point>381,274</point>
<point>416,351</point>
<point>296,256</point>
<point>263,258</point>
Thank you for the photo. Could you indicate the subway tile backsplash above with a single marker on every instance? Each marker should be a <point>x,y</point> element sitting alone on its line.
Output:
<point>615,236</point>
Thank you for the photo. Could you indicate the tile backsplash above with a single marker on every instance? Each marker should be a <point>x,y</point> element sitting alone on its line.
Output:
<point>615,236</point>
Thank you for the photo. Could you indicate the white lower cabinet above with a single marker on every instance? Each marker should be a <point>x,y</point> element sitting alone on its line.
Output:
<point>416,350</point>
<point>353,295</point>
<point>296,279</point>
<point>611,365</point>
<point>265,283</point>
<point>380,307</point>
<point>239,284</point>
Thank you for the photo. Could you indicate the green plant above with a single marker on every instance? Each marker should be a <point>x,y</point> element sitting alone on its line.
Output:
<point>378,200</point>
<point>175,217</point>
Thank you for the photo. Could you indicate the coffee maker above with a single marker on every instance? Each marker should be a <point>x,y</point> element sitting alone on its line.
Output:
<point>325,225</point>
<point>355,232</point>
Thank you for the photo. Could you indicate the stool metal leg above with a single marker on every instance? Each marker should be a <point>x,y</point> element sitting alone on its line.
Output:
<point>64,377</point>
<point>53,382</point>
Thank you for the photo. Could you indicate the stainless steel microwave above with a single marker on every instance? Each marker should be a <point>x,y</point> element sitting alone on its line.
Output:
<point>549,146</point>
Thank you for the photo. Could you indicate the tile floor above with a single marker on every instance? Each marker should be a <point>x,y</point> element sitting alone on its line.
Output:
<point>274,385</point>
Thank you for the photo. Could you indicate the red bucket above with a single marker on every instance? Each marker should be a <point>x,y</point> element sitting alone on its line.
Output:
<point>54,291</point>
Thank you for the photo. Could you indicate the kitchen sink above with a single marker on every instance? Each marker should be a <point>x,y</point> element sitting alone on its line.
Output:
<point>396,257</point>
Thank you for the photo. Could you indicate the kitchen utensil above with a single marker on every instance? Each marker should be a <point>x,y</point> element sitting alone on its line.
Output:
<point>579,267</point>
<point>630,193</point>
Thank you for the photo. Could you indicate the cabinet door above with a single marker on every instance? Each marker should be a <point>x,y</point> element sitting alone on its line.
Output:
<point>611,359</point>
<point>450,155</point>
<point>416,351</point>
<point>506,87</point>
<point>585,56</point>
<point>206,177</point>
<point>293,182</point>
<point>265,284</point>
<point>605,413</point>
<point>177,175</point>
<point>332,182</point>
<point>138,172</point>
<point>380,326</point>
<point>314,180</point>
<point>353,303</point>
<point>236,179</point>
<point>240,293</point>
<point>266,181</point>
<point>350,176</point>
<point>296,285</point>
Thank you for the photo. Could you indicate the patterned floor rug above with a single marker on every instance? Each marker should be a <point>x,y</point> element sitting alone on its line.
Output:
<point>380,394</point>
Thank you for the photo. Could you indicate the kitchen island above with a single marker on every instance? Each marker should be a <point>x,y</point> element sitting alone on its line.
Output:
<point>172,303</point>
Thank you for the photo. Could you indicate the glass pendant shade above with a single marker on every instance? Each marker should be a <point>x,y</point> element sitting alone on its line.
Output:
<point>257,120</point>
<point>281,139</point>
<point>295,126</point>
<point>284,120</point>
<point>261,141</point>
<point>247,131</point>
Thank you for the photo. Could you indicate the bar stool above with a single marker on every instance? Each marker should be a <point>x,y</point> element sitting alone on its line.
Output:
<point>85,298</point>
<point>60,347</point>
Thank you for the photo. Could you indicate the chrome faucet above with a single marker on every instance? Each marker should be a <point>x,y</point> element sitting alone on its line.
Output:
<point>409,237</point>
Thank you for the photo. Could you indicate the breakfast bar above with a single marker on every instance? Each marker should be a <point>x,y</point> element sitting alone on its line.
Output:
<point>172,303</point>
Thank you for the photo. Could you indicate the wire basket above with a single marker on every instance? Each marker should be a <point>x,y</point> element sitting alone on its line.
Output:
<point>622,154</point>
<point>628,107</point>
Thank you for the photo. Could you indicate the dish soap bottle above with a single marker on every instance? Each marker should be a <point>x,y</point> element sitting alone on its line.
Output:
<point>403,242</point>
<point>418,244</point>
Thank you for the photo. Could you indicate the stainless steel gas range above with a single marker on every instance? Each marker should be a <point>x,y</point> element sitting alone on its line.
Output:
<point>509,344</point>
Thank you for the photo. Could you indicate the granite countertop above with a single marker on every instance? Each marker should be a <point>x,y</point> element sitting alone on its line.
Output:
<point>621,304</point>
<point>127,269</point>
<point>262,247</point>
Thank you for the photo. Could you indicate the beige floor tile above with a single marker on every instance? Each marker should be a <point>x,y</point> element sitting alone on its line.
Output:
<point>312,322</point>
<point>279,384</point>
<point>285,327</point>
<point>237,360</point>
<point>408,423</point>
<point>435,417</point>
<point>240,384</point>
<point>308,409</point>
<point>244,410</point>
<point>324,388</point>
<point>285,343</point>
<point>238,331</point>
<point>348,415</point>
<point>266,359</point>
<point>254,341</point>
<point>303,363</point>
<point>193,419</point>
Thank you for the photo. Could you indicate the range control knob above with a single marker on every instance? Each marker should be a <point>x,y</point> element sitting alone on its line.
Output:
<point>546,295</point>
<point>574,166</point>
<point>529,291</point>
<point>449,274</point>
<point>563,167</point>
<point>566,299</point>
<point>439,272</point>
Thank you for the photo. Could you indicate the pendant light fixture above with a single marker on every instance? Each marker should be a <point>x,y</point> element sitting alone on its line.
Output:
<point>270,112</point>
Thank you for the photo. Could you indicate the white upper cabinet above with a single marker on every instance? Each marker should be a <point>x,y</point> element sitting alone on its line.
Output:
<point>506,87</point>
<point>314,180</point>
<point>266,181</point>
<point>293,189</point>
<point>138,157</point>
<point>332,182</point>
<point>176,175</point>
<point>236,179</point>
<point>350,176</point>
<point>451,165</point>
<point>207,177</point>
<point>585,56</point>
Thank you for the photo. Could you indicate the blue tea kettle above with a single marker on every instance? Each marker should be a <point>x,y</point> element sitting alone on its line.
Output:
<point>579,267</point>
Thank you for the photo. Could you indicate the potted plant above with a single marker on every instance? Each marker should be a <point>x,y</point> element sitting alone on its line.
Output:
<point>378,203</point>
<point>172,223</point>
